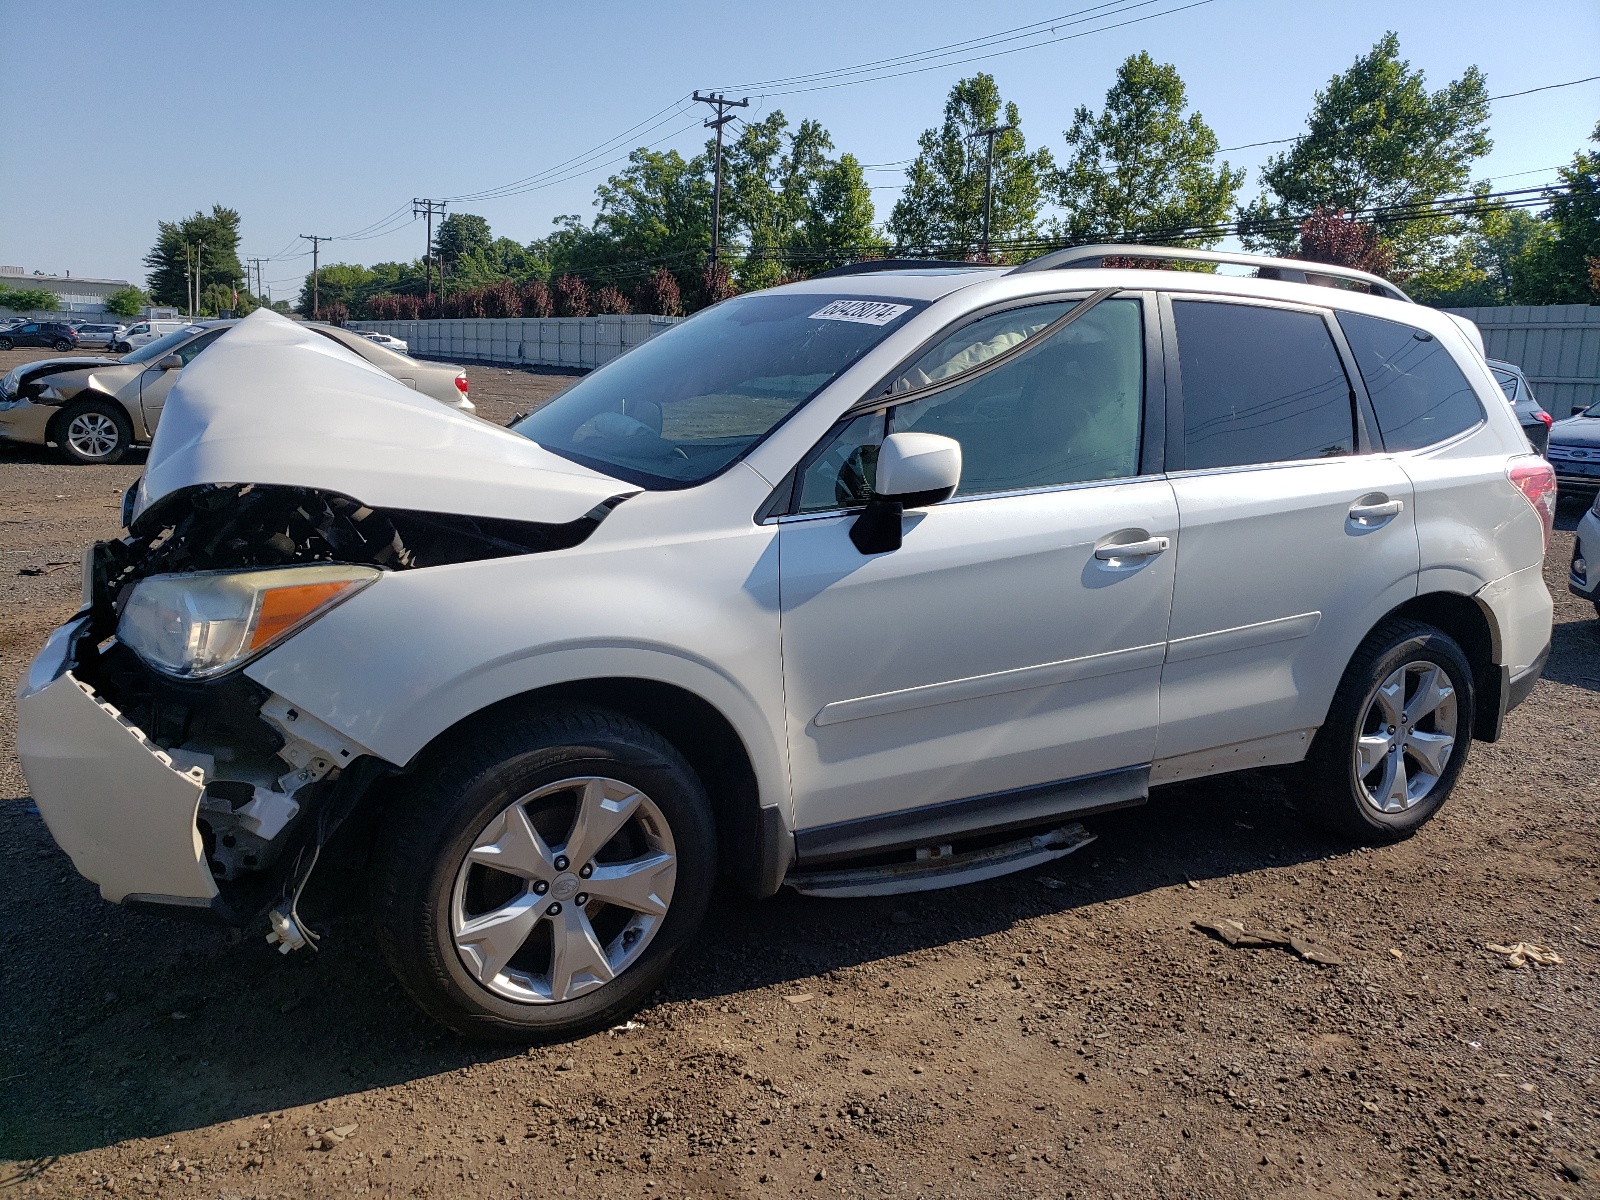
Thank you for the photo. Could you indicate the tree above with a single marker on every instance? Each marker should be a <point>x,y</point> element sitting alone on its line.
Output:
<point>127,302</point>
<point>942,204</point>
<point>571,296</point>
<point>1561,268</point>
<point>1377,138</point>
<point>659,293</point>
<point>1142,169</point>
<point>789,201</point>
<point>28,299</point>
<point>1335,237</point>
<point>459,235</point>
<point>208,241</point>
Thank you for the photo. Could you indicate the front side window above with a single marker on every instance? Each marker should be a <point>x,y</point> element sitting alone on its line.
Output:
<point>1062,412</point>
<point>1419,394</point>
<point>161,347</point>
<point>684,405</point>
<point>1260,385</point>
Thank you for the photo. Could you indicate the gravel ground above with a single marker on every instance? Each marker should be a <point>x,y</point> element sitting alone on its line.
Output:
<point>1065,1032</point>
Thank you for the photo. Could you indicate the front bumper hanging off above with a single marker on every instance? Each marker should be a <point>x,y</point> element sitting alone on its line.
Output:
<point>115,802</point>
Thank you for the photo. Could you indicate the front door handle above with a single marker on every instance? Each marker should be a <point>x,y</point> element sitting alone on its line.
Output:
<point>1365,514</point>
<point>1144,549</point>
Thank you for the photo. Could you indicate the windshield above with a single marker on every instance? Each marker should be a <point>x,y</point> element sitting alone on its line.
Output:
<point>681,407</point>
<point>156,349</point>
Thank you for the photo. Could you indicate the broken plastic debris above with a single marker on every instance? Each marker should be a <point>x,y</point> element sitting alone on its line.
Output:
<point>1520,954</point>
<point>626,1027</point>
<point>1237,933</point>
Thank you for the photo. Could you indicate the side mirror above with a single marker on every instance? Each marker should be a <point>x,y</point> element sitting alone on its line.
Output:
<point>170,363</point>
<point>914,470</point>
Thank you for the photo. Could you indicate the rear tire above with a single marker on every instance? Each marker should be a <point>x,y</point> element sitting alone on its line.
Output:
<point>470,906</point>
<point>92,432</point>
<point>62,345</point>
<point>1396,737</point>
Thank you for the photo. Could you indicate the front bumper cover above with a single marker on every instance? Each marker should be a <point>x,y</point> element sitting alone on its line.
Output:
<point>25,421</point>
<point>111,799</point>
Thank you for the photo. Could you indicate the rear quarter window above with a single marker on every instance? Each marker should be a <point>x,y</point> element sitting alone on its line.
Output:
<point>1419,394</point>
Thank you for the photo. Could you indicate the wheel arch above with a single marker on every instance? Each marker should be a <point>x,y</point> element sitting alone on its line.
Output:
<point>756,843</point>
<point>53,427</point>
<point>1472,624</point>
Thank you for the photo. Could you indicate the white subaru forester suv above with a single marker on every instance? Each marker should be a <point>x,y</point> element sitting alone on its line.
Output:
<point>870,583</point>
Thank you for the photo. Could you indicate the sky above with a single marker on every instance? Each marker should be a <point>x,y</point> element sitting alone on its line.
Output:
<point>329,118</point>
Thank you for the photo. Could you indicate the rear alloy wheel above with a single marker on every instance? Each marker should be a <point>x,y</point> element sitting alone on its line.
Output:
<point>62,344</point>
<point>536,883</point>
<point>1397,734</point>
<point>94,431</point>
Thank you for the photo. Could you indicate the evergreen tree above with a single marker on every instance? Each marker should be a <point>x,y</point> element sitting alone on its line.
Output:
<point>179,244</point>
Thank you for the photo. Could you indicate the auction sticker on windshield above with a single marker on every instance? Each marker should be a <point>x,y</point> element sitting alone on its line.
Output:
<point>862,312</point>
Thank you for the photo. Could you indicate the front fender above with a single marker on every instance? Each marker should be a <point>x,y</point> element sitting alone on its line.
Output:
<point>423,650</point>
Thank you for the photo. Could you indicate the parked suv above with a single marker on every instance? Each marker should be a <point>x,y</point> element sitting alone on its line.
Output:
<point>872,583</point>
<point>55,334</point>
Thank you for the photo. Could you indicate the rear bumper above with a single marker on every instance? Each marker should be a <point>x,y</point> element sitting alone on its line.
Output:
<point>112,800</point>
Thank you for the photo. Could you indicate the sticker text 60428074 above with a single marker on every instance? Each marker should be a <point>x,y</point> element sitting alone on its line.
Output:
<point>862,312</point>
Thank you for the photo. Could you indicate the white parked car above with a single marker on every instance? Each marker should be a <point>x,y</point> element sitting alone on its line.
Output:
<point>102,336</point>
<point>870,583</point>
<point>390,343</point>
<point>143,332</point>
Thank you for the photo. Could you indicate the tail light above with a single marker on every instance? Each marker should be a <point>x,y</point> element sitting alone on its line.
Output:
<point>461,383</point>
<point>1545,417</point>
<point>1536,480</point>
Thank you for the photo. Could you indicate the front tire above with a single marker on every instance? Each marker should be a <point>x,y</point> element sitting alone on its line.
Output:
<point>5,343</point>
<point>121,348</point>
<point>93,432</point>
<point>1396,737</point>
<point>537,880</point>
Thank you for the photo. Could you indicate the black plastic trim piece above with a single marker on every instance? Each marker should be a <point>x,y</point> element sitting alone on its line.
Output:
<point>1520,685</point>
<point>774,852</point>
<point>993,812</point>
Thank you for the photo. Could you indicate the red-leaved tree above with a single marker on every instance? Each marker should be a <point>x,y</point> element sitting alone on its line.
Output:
<point>716,284</point>
<point>502,299</point>
<point>1332,236</point>
<point>571,296</point>
<point>660,294</point>
<point>536,300</point>
<point>610,301</point>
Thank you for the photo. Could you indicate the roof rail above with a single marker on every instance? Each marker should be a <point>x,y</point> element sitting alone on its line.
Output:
<point>870,265</point>
<point>1290,270</point>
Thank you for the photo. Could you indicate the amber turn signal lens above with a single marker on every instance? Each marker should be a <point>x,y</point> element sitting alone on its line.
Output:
<point>285,607</point>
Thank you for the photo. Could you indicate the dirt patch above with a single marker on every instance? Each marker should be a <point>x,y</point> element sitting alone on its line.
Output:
<point>1067,1032</point>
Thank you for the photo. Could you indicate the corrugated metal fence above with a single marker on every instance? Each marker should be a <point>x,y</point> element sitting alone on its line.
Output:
<point>1557,346</point>
<point>581,342</point>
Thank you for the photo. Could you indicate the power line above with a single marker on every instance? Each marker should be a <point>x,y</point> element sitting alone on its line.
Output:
<point>429,208</point>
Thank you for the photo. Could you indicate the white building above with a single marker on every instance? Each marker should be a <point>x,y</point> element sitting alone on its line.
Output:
<point>75,294</point>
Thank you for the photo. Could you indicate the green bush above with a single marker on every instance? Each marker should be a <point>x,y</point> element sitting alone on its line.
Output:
<point>127,302</point>
<point>27,299</point>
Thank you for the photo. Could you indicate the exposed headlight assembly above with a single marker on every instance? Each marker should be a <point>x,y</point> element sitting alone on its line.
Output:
<point>200,625</point>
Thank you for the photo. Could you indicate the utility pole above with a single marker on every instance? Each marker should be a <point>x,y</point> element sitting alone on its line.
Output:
<point>721,105</point>
<point>259,285</point>
<point>988,180</point>
<point>427,208</point>
<point>316,244</point>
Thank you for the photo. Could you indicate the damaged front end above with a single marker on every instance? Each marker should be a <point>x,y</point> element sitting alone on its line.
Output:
<point>178,782</point>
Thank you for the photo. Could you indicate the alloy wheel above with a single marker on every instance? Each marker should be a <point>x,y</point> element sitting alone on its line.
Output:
<point>92,434</point>
<point>1407,736</point>
<point>562,890</point>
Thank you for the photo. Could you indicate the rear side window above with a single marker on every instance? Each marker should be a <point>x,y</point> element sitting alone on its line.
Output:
<point>1420,395</point>
<point>1260,385</point>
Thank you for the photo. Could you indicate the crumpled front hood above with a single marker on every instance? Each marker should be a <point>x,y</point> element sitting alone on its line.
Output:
<point>28,371</point>
<point>1576,431</point>
<point>272,402</point>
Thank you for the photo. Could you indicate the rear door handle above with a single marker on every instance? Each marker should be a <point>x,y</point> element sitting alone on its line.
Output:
<point>1144,549</point>
<point>1361,514</point>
